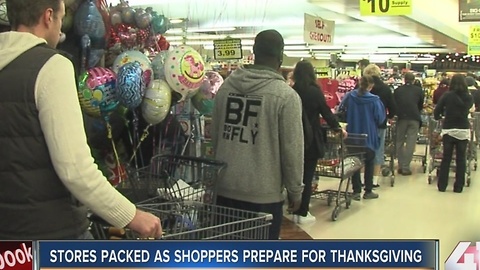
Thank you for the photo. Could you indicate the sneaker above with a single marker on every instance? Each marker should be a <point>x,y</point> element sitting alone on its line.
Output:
<point>356,196</point>
<point>370,195</point>
<point>304,219</point>
<point>376,186</point>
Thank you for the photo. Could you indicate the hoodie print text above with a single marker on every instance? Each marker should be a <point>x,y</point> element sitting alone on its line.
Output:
<point>241,118</point>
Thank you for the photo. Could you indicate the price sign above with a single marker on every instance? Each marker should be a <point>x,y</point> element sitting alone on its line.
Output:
<point>474,40</point>
<point>226,49</point>
<point>385,7</point>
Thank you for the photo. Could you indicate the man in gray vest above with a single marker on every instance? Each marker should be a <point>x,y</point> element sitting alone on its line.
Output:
<point>47,174</point>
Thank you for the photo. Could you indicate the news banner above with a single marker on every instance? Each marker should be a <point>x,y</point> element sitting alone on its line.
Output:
<point>162,254</point>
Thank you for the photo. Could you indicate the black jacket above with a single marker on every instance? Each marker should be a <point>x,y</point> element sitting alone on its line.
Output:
<point>476,100</point>
<point>313,100</point>
<point>409,100</point>
<point>386,96</point>
<point>455,107</point>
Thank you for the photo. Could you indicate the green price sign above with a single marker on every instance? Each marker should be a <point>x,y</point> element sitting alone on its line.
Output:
<point>385,7</point>
<point>227,49</point>
<point>474,40</point>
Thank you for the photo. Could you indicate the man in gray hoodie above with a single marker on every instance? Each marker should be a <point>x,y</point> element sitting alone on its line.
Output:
<point>257,130</point>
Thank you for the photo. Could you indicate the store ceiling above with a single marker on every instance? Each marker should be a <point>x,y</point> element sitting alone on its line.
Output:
<point>424,28</point>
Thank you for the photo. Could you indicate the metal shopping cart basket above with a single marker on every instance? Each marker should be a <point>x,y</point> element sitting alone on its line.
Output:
<point>390,150</point>
<point>171,178</point>
<point>193,221</point>
<point>423,139</point>
<point>344,157</point>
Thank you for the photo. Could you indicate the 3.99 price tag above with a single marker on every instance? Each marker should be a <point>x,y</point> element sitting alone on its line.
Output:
<point>227,49</point>
<point>385,7</point>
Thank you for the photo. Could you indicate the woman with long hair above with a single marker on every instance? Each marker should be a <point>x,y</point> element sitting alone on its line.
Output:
<point>364,113</point>
<point>454,106</point>
<point>314,104</point>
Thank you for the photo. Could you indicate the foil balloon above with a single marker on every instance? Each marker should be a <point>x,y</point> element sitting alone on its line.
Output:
<point>204,99</point>
<point>130,85</point>
<point>159,23</point>
<point>115,17</point>
<point>158,65</point>
<point>128,15</point>
<point>157,101</point>
<point>184,71</point>
<point>89,21</point>
<point>135,56</point>
<point>96,92</point>
<point>142,18</point>
<point>3,13</point>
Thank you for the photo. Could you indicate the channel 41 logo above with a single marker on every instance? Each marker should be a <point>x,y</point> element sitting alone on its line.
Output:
<point>465,256</point>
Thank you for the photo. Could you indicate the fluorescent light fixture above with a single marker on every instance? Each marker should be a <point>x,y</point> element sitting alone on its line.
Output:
<point>220,29</point>
<point>199,30</point>
<point>175,21</point>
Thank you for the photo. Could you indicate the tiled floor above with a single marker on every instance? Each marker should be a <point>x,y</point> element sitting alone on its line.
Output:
<point>411,209</point>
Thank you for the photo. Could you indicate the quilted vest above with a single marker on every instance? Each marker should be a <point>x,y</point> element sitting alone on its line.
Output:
<point>34,203</point>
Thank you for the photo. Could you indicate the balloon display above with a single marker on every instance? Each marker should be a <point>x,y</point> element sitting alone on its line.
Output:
<point>135,56</point>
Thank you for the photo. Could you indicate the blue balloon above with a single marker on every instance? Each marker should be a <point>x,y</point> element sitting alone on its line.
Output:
<point>95,56</point>
<point>89,21</point>
<point>130,85</point>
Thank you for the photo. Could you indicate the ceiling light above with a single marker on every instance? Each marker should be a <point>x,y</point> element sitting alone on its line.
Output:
<point>176,21</point>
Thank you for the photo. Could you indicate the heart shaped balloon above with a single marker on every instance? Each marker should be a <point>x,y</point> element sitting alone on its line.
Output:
<point>157,101</point>
<point>203,101</point>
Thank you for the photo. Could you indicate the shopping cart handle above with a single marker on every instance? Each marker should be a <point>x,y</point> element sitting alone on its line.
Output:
<point>195,159</point>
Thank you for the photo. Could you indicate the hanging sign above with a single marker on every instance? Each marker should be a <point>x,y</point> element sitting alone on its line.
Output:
<point>385,7</point>
<point>474,40</point>
<point>469,10</point>
<point>227,49</point>
<point>318,30</point>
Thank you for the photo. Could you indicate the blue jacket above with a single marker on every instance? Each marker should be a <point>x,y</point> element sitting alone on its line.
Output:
<point>364,113</point>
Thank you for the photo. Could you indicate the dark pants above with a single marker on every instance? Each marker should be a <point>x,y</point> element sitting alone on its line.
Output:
<point>276,209</point>
<point>461,164</point>
<point>308,174</point>
<point>368,173</point>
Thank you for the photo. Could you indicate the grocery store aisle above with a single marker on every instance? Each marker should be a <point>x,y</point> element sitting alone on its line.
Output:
<point>412,209</point>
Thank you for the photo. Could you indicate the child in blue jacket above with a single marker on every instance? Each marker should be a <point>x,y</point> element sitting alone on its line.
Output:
<point>364,112</point>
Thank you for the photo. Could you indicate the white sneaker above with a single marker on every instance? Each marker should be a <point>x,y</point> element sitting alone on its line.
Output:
<point>303,220</point>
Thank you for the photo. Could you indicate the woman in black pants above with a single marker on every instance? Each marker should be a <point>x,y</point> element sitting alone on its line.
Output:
<point>454,105</point>
<point>314,103</point>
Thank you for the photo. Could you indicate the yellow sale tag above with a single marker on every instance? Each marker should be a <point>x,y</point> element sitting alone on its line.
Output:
<point>474,40</point>
<point>385,7</point>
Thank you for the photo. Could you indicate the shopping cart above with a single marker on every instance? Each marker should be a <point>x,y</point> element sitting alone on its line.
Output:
<point>171,178</point>
<point>436,151</point>
<point>475,139</point>
<point>344,157</point>
<point>194,221</point>
<point>423,139</point>
<point>390,151</point>
<point>435,148</point>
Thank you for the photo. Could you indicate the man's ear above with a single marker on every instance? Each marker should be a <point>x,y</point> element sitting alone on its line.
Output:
<point>47,17</point>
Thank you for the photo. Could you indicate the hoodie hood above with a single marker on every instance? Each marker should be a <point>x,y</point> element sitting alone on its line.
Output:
<point>13,44</point>
<point>363,99</point>
<point>251,78</point>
